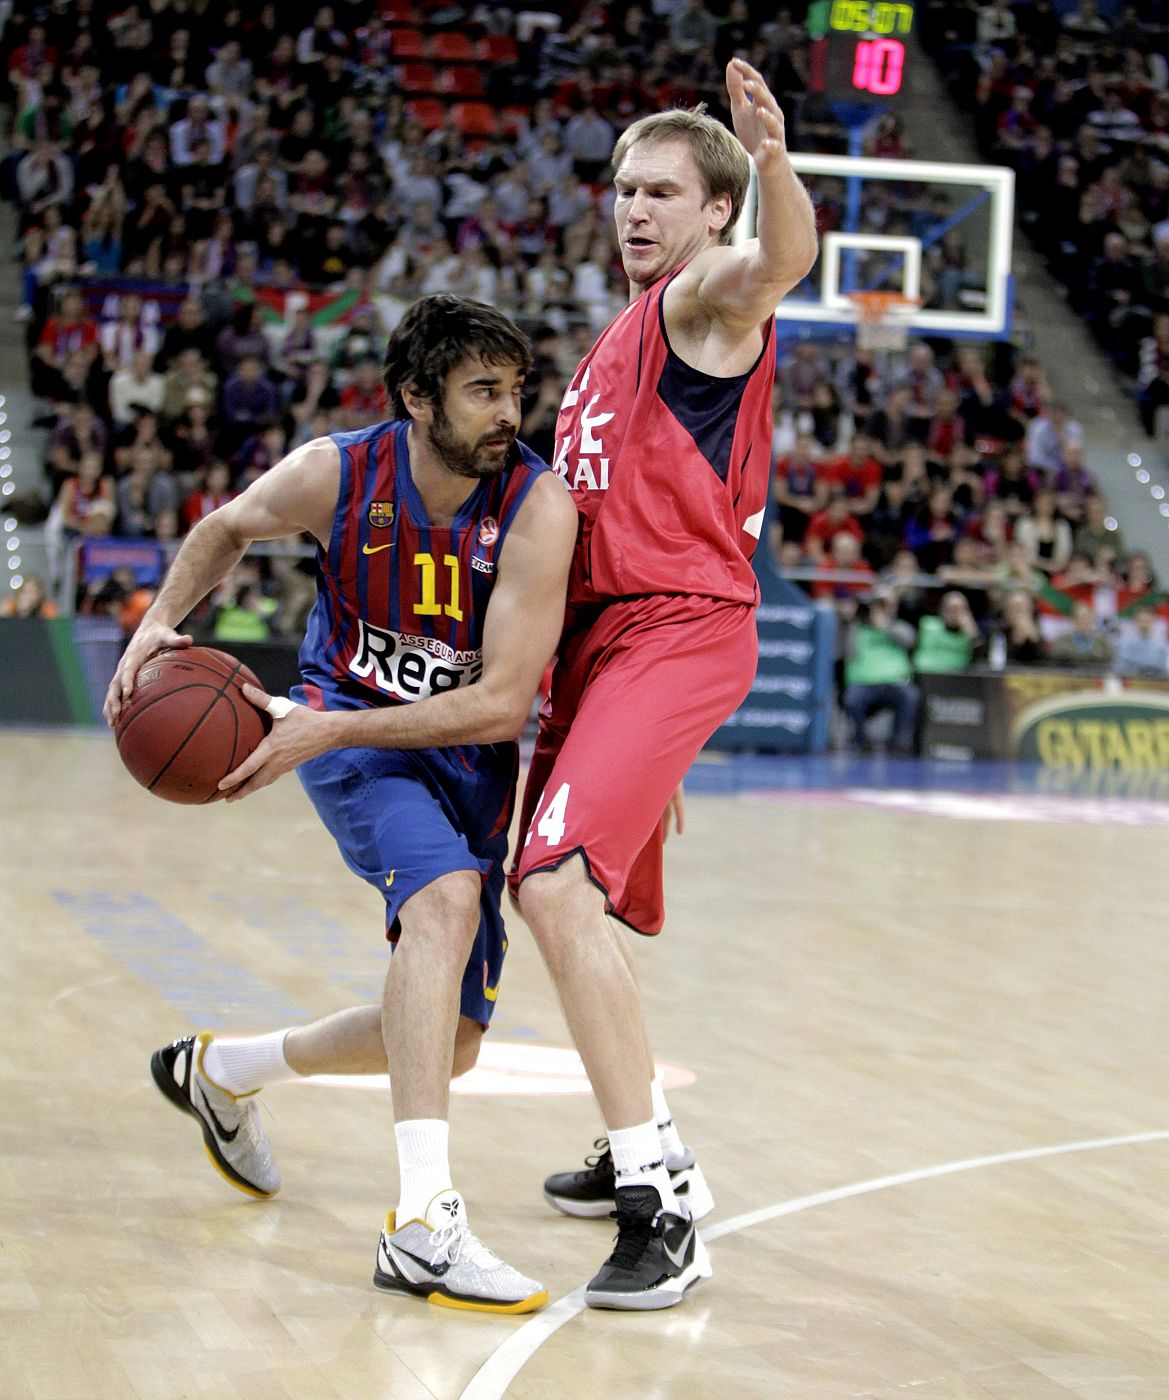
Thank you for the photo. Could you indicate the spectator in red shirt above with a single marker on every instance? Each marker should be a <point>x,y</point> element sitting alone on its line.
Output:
<point>858,475</point>
<point>70,329</point>
<point>797,489</point>
<point>363,399</point>
<point>946,429</point>
<point>216,492</point>
<point>836,518</point>
<point>846,556</point>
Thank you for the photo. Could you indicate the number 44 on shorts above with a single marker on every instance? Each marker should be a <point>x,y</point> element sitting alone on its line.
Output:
<point>551,823</point>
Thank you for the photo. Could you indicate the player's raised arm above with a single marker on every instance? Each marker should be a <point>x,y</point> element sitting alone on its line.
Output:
<point>299,493</point>
<point>741,285</point>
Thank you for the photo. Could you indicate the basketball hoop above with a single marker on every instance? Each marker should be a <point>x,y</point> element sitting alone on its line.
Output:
<point>882,319</point>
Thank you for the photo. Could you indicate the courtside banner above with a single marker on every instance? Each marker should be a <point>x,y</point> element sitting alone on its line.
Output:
<point>1065,721</point>
<point>964,715</point>
<point>790,702</point>
<point>1080,723</point>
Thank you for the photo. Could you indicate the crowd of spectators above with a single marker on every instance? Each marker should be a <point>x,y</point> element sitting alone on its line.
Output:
<point>950,521</point>
<point>1077,102</point>
<point>222,213</point>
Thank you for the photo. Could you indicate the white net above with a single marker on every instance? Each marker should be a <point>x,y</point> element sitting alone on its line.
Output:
<point>883,321</point>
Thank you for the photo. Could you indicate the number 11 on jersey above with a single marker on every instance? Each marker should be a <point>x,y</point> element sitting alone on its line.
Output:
<point>430,606</point>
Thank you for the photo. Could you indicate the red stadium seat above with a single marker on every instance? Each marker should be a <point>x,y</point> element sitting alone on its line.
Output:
<point>475,118</point>
<point>398,11</point>
<point>453,48</point>
<point>428,112</point>
<point>463,82</point>
<point>418,77</point>
<point>512,119</point>
<point>498,48</point>
<point>408,43</point>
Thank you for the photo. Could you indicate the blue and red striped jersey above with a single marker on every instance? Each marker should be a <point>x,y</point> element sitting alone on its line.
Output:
<point>400,602</point>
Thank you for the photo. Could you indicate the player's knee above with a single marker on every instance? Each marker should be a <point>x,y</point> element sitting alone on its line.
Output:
<point>445,912</point>
<point>468,1039</point>
<point>554,902</point>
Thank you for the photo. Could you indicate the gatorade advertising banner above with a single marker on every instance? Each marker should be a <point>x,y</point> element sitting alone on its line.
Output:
<point>1078,723</point>
<point>1063,721</point>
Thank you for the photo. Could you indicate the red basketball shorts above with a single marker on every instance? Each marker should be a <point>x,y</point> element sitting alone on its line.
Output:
<point>639,687</point>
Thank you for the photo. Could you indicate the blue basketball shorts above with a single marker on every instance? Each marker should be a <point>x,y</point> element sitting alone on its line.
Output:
<point>402,818</point>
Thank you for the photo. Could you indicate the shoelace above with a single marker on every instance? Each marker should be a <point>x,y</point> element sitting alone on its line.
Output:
<point>452,1240</point>
<point>253,1129</point>
<point>634,1233</point>
<point>602,1146</point>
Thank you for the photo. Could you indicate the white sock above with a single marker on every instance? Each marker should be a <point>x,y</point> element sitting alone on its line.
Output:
<point>243,1064</point>
<point>423,1166</point>
<point>673,1148</point>
<point>637,1161</point>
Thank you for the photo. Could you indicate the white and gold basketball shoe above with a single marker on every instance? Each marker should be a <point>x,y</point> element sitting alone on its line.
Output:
<point>439,1259</point>
<point>232,1132</point>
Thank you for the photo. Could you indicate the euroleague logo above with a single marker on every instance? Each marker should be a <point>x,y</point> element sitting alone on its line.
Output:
<point>482,559</point>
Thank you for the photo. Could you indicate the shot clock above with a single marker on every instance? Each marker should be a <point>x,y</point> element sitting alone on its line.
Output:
<point>858,51</point>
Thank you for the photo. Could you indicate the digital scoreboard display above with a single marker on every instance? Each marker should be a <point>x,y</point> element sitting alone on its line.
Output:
<point>858,49</point>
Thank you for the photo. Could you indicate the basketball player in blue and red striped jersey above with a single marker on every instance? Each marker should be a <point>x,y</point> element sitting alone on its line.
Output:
<point>443,551</point>
<point>664,437</point>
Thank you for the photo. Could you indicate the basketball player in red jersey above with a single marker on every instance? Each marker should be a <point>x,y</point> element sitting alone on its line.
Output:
<point>444,546</point>
<point>664,437</point>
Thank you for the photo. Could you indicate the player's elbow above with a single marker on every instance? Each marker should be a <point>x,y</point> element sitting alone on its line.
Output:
<point>504,716</point>
<point>804,256</point>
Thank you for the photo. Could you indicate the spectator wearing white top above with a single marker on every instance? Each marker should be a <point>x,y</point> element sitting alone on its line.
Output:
<point>229,75</point>
<point>1049,434</point>
<point>198,125</point>
<point>1115,123</point>
<point>550,164</point>
<point>567,202</point>
<point>136,386</point>
<point>996,22</point>
<point>588,139</point>
<point>132,331</point>
<point>1143,650</point>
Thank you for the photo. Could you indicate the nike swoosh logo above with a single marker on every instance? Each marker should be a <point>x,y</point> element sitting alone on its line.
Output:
<point>377,549</point>
<point>390,878</point>
<point>435,1270</point>
<point>231,1137</point>
<point>678,1259</point>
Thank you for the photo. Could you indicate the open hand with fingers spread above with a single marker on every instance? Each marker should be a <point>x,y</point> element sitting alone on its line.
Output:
<point>756,115</point>
<point>150,638</point>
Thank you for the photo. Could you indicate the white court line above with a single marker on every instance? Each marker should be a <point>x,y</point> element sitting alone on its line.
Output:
<point>491,1380</point>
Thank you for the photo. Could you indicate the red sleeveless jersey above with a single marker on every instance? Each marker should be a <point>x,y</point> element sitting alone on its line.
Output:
<point>668,466</point>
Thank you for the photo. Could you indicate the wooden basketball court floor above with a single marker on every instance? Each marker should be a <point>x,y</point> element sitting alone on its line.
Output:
<point>931,1095</point>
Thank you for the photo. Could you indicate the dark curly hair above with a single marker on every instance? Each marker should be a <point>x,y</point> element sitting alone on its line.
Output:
<point>439,331</point>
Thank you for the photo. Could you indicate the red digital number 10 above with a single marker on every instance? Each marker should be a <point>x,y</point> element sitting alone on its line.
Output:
<point>878,66</point>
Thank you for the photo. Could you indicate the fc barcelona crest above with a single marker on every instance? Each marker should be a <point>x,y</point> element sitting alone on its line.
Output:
<point>381,514</point>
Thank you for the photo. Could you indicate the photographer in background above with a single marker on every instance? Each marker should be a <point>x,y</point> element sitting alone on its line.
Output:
<point>878,673</point>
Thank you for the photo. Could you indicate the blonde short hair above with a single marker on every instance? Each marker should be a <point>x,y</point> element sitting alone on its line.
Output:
<point>722,162</point>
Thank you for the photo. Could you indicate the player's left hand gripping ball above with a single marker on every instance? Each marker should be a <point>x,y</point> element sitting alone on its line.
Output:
<point>296,737</point>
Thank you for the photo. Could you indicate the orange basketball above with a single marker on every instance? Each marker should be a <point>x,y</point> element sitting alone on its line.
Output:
<point>187,725</point>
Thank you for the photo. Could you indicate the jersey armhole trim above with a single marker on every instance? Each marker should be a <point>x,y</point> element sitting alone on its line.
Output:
<point>714,378</point>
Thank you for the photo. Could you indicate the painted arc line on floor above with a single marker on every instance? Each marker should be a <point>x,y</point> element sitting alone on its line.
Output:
<point>492,1379</point>
<point>508,1068</point>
